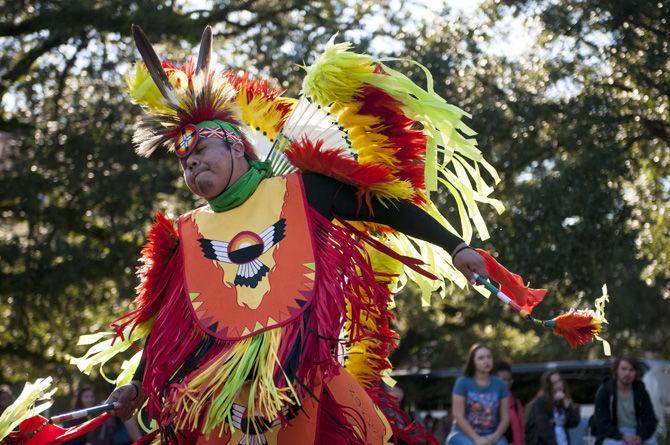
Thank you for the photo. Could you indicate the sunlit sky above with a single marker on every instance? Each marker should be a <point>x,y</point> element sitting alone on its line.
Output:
<point>515,35</point>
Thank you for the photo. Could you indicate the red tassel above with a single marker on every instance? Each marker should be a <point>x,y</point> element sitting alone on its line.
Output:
<point>337,256</point>
<point>578,327</point>
<point>512,284</point>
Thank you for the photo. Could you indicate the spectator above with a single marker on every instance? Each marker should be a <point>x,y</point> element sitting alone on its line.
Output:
<point>428,422</point>
<point>6,397</point>
<point>480,404</point>
<point>111,432</point>
<point>623,412</point>
<point>551,413</point>
<point>657,382</point>
<point>441,428</point>
<point>515,433</point>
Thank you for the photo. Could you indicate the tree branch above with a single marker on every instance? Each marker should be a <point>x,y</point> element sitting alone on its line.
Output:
<point>22,66</point>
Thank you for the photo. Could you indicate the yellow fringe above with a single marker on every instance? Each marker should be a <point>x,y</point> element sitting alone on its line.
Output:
<point>336,76</point>
<point>25,405</point>
<point>219,384</point>
<point>104,347</point>
<point>361,361</point>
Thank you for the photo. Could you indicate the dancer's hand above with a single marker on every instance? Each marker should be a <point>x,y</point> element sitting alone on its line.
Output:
<point>128,397</point>
<point>468,262</point>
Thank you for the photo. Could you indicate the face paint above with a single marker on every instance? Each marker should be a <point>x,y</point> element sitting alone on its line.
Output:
<point>189,136</point>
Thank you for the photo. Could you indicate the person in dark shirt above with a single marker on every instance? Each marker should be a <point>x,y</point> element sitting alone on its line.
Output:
<point>551,413</point>
<point>6,397</point>
<point>112,432</point>
<point>515,433</point>
<point>624,414</point>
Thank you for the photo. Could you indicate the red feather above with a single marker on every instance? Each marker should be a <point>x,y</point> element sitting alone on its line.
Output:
<point>336,163</point>
<point>403,133</point>
<point>577,327</point>
<point>512,284</point>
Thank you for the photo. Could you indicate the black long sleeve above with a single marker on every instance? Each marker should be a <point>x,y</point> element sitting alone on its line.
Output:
<point>139,372</point>
<point>332,198</point>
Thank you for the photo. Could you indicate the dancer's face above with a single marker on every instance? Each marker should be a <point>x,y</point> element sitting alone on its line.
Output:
<point>211,166</point>
<point>483,360</point>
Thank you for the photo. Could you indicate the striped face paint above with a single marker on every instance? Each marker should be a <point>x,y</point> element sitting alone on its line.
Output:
<point>189,136</point>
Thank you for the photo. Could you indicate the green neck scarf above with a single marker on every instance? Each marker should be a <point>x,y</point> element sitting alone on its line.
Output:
<point>244,187</point>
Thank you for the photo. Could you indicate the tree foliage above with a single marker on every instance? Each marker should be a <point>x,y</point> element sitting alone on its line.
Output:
<point>75,200</point>
<point>577,127</point>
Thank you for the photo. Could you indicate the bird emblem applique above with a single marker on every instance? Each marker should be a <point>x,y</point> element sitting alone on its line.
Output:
<point>244,250</point>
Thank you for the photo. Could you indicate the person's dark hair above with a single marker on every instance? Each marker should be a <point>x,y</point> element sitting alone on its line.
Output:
<point>469,370</point>
<point>501,365</point>
<point>4,388</point>
<point>6,397</point>
<point>76,402</point>
<point>546,388</point>
<point>631,361</point>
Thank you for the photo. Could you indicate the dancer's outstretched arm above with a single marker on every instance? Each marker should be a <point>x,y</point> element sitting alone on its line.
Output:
<point>332,198</point>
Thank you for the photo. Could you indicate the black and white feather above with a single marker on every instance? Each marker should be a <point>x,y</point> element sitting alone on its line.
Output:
<point>311,121</point>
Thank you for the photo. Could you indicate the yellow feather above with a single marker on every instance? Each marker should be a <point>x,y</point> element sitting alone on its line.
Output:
<point>362,362</point>
<point>144,91</point>
<point>263,113</point>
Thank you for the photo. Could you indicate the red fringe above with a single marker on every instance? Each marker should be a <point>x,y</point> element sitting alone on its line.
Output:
<point>405,430</point>
<point>577,327</point>
<point>157,252</point>
<point>337,425</point>
<point>344,275</point>
<point>413,263</point>
<point>173,338</point>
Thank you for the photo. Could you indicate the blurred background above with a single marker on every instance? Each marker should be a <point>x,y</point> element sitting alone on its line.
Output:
<point>570,100</point>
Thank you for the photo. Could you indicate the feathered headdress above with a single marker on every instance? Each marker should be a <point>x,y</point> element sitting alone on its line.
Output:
<point>185,102</point>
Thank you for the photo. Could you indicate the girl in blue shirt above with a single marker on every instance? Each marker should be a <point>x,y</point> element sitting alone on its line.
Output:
<point>479,403</point>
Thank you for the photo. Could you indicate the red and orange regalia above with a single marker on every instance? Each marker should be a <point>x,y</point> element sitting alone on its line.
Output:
<point>264,317</point>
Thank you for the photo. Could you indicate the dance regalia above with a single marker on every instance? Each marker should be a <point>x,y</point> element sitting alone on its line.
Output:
<point>265,314</point>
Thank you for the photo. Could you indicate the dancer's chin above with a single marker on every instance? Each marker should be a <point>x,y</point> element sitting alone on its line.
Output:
<point>206,188</point>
